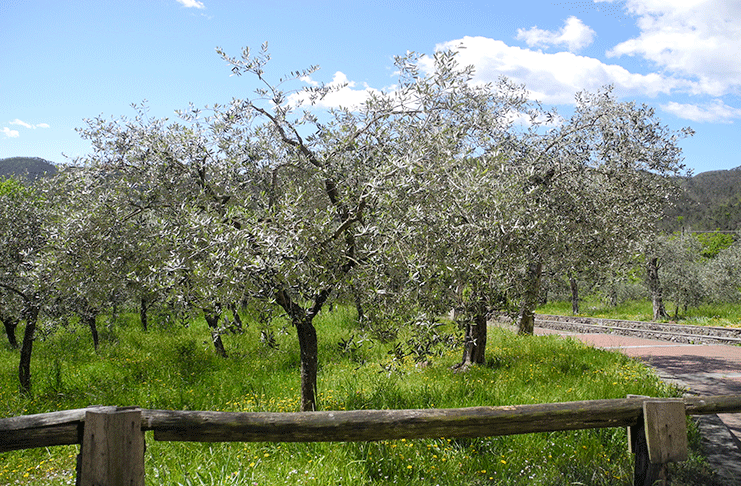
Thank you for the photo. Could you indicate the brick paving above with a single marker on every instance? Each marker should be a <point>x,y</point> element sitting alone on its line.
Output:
<point>705,369</point>
<point>712,369</point>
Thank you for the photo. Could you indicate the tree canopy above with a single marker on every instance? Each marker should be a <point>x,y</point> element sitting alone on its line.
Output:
<point>438,194</point>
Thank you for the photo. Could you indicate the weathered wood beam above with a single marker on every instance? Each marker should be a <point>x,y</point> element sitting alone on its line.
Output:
<point>43,429</point>
<point>65,427</point>
<point>711,405</point>
<point>372,425</point>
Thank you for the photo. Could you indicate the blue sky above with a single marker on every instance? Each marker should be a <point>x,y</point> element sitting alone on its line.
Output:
<point>64,61</point>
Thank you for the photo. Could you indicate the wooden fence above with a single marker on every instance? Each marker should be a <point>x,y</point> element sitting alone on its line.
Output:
<point>112,438</point>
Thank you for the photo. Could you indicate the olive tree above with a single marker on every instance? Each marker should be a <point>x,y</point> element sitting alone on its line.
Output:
<point>81,258</point>
<point>682,271</point>
<point>337,206</point>
<point>22,280</point>
<point>325,221</point>
<point>481,205</point>
<point>599,179</point>
<point>446,206</point>
<point>168,197</point>
<point>254,197</point>
<point>13,239</point>
<point>723,274</point>
<point>685,270</point>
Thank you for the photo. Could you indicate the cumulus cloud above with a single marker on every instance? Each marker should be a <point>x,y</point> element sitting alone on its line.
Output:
<point>696,39</point>
<point>21,123</point>
<point>551,77</point>
<point>28,125</point>
<point>344,93</point>
<point>715,112</point>
<point>191,4</point>
<point>9,133</point>
<point>693,43</point>
<point>575,35</point>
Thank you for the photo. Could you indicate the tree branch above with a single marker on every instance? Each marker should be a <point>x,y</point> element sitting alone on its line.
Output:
<point>15,291</point>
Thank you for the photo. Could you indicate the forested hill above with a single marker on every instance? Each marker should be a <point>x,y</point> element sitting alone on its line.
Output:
<point>26,167</point>
<point>710,201</point>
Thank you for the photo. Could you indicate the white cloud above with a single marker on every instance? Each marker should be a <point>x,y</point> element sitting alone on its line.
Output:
<point>715,112</point>
<point>551,77</point>
<point>696,39</point>
<point>10,133</point>
<point>574,35</point>
<point>191,3</point>
<point>28,125</point>
<point>21,123</point>
<point>694,43</point>
<point>344,93</point>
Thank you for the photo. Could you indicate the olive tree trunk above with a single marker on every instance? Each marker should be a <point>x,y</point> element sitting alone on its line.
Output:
<point>309,349</point>
<point>574,294</point>
<point>11,324</point>
<point>143,316</point>
<point>530,298</point>
<point>238,324</point>
<point>212,319</point>
<point>303,320</point>
<point>89,318</point>
<point>474,343</point>
<point>654,287</point>
<point>24,366</point>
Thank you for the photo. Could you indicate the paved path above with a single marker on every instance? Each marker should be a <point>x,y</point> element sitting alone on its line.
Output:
<point>704,369</point>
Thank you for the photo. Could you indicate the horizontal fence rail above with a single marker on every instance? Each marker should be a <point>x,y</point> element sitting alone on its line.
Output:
<point>656,425</point>
<point>65,427</point>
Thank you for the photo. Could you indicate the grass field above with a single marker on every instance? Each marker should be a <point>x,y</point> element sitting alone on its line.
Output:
<point>723,315</point>
<point>175,367</point>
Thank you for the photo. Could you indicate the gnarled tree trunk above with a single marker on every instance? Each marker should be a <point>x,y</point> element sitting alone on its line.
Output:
<point>309,348</point>
<point>89,318</point>
<point>654,287</point>
<point>212,319</point>
<point>530,298</point>
<point>24,366</point>
<point>474,343</point>
<point>303,320</point>
<point>10,324</point>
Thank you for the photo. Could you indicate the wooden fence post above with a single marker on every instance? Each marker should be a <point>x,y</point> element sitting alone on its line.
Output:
<point>658,439</point>
<point>112,452</point>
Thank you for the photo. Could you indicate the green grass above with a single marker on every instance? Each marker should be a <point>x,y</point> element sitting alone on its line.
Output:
<point>174,367</point>
<point>594,307</point>
<point>723,315</point>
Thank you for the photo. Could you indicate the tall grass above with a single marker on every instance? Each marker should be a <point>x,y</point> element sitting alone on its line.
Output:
<point>175,367</point>
<point>593,306</point>
<point>711,314</point>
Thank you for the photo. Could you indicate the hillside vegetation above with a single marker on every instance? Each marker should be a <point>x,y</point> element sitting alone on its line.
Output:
<point>26,167</point>
<point>709,201</point>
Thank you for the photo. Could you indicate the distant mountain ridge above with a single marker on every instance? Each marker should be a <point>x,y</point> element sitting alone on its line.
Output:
<point>710,201</point>
<point>26,167</point>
